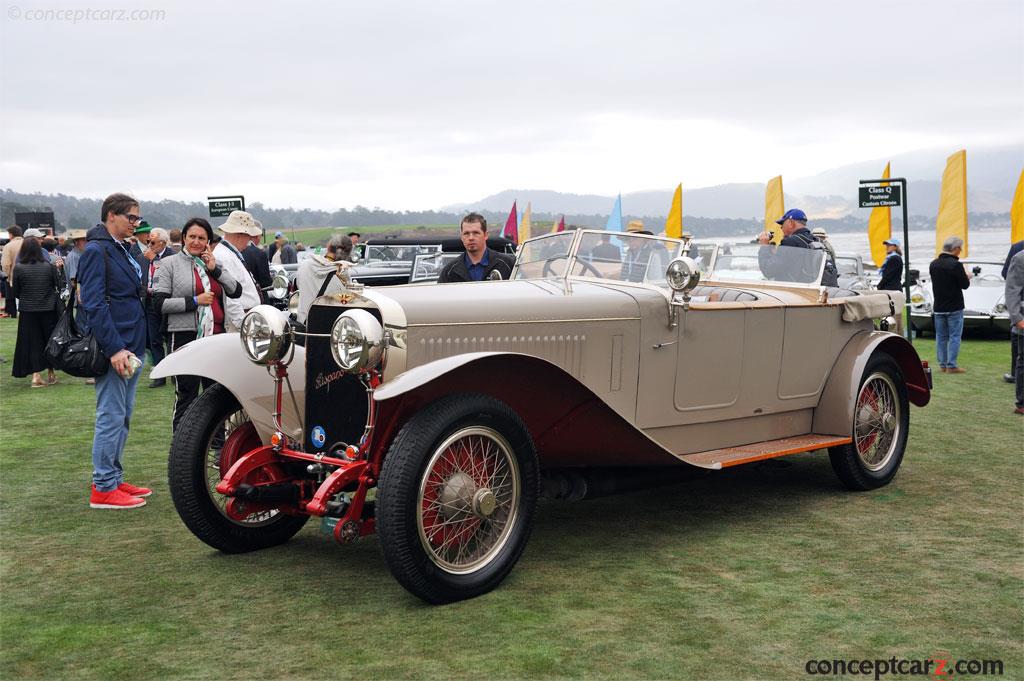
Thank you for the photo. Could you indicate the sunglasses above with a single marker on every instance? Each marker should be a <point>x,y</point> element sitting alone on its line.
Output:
<point>133,218</point>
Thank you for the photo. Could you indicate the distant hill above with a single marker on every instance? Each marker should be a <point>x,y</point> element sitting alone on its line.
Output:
<point>992,178</point>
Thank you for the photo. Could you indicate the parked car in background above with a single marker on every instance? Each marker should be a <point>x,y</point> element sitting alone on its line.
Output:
<point>435,416</point>
<point>852,274</point>
<point>984,302</point>
<point>388,262</point>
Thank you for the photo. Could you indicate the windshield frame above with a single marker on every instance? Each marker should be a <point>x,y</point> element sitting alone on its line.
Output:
<point>572,255</point>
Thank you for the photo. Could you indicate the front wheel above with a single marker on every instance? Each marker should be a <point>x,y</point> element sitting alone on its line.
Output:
<point>213,433</point>
<point>881,421</point>
<point>456,498</point>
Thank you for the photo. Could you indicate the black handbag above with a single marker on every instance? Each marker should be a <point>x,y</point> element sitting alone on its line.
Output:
<point>72,351</point>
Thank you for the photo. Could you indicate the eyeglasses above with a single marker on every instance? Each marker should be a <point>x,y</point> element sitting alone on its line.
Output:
<point>133,218</point>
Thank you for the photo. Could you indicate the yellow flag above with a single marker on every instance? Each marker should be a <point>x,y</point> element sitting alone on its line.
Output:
<point>1017,212</point>
<point>674,223</point>
<point>774,207</point>
<point>952,220</point>
<point>524,226</point>
<point>880,227</point>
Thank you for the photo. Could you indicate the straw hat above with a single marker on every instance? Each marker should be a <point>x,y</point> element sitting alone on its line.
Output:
<point>635,226</point>
<point>240,222</point>
<point>76,234</point>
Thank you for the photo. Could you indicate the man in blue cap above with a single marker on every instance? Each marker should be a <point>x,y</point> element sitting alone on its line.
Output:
<point>779,263</point>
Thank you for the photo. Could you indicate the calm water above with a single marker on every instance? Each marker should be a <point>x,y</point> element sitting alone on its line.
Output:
<point>990,244</point>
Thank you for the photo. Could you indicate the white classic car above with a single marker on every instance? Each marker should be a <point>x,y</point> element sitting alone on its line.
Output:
<point>984,302</point>
<point>435,416</point>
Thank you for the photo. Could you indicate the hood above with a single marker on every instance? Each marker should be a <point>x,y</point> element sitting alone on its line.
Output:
<point>506,301</point>
<point>982,296</point>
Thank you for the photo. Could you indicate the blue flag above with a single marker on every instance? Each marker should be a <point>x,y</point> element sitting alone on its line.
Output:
<point>615,219</point>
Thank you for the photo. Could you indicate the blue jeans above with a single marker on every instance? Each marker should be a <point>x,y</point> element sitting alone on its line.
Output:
<point>115,399</point>
<point>949,326</point>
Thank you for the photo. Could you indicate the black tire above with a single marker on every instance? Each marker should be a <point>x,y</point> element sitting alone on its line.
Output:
<point>432,498</point>
<point>193,471</point>
<point>881,423</point>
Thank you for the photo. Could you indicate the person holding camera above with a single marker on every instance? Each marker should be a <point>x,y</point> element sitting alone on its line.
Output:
<point>949,279</point>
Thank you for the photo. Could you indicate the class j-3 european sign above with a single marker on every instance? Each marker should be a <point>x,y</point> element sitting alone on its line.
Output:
<point>873,197</point>
<point>221,206</point>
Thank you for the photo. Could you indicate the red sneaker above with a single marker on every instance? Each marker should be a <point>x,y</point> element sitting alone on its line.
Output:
<point>114,499</point>
<point>134,491</point>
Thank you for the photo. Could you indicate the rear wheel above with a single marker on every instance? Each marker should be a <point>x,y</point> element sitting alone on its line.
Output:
<point>214,433</point>
<point>456,498</point>
<point>881,420</point>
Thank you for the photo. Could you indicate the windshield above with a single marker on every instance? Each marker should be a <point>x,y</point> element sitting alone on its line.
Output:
<point>601,254</point>
<point>395,252</point>
<point>847,265</point>
<point>753,262</point>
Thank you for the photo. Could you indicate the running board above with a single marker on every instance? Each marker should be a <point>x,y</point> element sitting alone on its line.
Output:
<point>769,449</point>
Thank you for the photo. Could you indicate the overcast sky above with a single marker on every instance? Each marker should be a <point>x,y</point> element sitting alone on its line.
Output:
<point>409,105</point>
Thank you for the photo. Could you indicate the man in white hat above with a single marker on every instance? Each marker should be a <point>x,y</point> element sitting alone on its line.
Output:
<point>77,239</point>
<point>238,232</point>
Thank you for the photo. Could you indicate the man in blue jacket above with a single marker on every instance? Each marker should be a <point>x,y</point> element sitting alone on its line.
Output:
<point>110,282</point>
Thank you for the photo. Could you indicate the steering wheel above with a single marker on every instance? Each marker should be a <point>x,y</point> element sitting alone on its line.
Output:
<point>547,270</point>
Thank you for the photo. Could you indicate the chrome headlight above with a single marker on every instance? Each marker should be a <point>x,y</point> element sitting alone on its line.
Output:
<point>279,286</point>
<point>1000,308</point>
<point>357,341</point>
<point>265,334</point>
<point>683,274</point>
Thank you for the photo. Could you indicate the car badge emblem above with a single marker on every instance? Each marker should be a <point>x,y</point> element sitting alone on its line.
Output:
<point>318,437</point>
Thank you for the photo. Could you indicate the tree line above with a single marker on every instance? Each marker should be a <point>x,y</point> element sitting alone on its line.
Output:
<point>72,212</point>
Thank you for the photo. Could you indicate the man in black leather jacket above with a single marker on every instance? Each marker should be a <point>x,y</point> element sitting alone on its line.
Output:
<point>478,262</point>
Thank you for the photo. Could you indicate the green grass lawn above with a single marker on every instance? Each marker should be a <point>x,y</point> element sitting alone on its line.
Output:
<point>318,236</point>
<point>742,574</point>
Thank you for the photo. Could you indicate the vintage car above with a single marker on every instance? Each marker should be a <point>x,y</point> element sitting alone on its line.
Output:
<point>389,261</point>
<point>852,274</point>
<point>984,302</point>
<point>436,415</point>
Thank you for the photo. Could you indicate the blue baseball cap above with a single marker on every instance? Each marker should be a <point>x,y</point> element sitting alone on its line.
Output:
<point>278,235</point>
<point>793,214</point>
<point>892,242</point>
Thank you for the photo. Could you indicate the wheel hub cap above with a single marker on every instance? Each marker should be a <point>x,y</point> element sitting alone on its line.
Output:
<point>457,495</point>
<point>484,502</point>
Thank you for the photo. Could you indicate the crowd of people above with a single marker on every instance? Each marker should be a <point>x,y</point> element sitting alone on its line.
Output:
<point>141,288</point>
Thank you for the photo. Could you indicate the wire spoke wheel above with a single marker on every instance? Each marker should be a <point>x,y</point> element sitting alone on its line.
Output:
<point>456,497</point>
<point>881,423</point>
<point>468,500</point>
<point>229,440</point>
<point>215,432</point>
<point>877,421</point>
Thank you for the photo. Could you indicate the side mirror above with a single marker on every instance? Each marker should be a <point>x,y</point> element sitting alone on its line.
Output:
<point>915,275</point>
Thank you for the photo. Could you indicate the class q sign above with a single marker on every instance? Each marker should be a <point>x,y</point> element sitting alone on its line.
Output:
<point>873,197</point>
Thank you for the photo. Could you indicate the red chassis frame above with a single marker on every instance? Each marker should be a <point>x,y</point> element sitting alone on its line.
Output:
<point>260,467</point>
